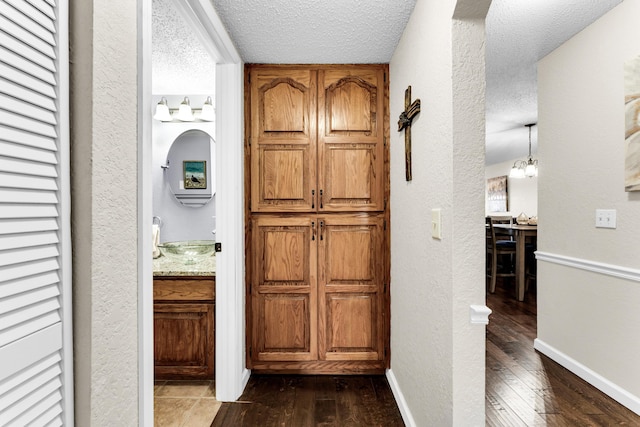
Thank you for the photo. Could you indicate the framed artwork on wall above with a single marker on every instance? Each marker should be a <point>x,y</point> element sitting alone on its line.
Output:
<point>195,174</point>
<point>497,194</point>
<point>632,124</point>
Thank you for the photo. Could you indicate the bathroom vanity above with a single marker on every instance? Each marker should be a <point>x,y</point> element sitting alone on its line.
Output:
<point>184,313</point>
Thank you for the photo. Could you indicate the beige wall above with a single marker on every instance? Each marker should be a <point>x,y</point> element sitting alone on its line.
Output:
<point>104,143</point>
<point>591,317</point>
<point>437,356</point>
<point>523,192</point>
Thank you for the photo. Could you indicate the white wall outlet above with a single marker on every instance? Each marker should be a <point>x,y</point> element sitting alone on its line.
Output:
<point>605,218</point>
<point>436,224</point>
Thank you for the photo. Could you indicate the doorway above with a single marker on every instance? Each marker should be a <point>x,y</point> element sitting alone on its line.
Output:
<point>231,374</point>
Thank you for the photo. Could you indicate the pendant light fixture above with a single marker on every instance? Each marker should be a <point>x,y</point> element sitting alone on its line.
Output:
<point>529,167</point>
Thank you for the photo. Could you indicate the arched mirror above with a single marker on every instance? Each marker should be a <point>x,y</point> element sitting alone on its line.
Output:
<point>189,169</point>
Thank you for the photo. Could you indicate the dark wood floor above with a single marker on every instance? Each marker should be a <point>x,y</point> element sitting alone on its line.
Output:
<point>300,401</point>
<point>524,387</point>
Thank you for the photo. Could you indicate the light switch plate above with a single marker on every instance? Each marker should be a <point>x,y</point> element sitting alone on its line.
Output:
<point>436,224</point>
<point>605,218</point>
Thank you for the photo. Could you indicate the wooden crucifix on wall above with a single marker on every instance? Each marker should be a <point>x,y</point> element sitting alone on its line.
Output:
<point>406,117</point>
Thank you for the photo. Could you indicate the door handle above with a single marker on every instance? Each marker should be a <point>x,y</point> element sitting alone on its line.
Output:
<point>313,230</point>
<point>321,230</point>
<point>321,199</point>
<point>313,199</point>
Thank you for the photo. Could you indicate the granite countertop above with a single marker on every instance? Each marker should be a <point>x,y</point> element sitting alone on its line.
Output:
<point>170,266</point>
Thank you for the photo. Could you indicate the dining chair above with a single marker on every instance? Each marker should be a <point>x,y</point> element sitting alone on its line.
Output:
<point>500,249</point>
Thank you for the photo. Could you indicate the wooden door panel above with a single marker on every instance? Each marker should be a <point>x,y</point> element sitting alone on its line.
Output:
<point>283,140</point>
<point>283,181</point>
<point>351,287</point>
<point>351,139</point>
<point>351,181</point>
<point>349,100</point>
<point>283,328</point>
<point>284,289</point>
<point>183,340</point>
<point>284,252</point>
<point>352,332</point>
<point>352,252</point>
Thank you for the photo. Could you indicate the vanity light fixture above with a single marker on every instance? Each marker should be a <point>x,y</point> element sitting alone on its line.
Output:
<point>208,113</point>
<point>162,111</point>
<point>185,114</point>
<point>529,167</point>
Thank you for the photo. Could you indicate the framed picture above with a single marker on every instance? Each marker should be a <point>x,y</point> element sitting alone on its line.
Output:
<point>195,174</point>
<point>632,124</point>
<point>497,194</point>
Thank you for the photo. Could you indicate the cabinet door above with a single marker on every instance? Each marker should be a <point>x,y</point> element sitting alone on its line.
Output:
<point>283,289</point>
<point>283,140</point>
<point>351,139</point>
<point>350,287</point>
<point>183,340</point>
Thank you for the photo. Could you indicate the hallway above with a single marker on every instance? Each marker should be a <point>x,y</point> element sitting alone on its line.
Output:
<point>526,388</point>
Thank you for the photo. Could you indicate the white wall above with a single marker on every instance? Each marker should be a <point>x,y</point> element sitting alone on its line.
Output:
<point>522,192</point>
<point>437,362</point>
<point>180,222</point>
<point>589,281</point>
<point>104,144</point>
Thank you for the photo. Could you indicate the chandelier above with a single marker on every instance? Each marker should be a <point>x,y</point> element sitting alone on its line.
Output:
<point>529,167</point>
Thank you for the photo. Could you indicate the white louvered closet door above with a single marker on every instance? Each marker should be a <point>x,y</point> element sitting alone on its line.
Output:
<point>35,284</point>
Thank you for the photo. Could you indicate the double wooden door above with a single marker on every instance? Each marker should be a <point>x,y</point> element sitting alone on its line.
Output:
<point>317,256</point>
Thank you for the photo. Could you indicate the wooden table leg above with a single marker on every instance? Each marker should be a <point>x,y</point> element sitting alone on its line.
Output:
<point>520,267</point>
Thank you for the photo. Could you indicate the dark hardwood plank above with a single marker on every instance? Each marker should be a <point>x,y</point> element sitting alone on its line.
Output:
<point>525,387</point>
<point>300,401</point>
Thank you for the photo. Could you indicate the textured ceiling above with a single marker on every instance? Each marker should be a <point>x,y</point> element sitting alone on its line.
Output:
<point>519,33</point>
<point>315,31</point>
<point>180,64</point>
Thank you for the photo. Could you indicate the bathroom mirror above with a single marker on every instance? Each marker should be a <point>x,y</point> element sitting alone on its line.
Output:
<point>190,168</point>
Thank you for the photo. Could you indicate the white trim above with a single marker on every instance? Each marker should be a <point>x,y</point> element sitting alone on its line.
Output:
<point>145,217</point>
<point>400,400</point>
<point>593,266</point>
<point>479,314</point>
<point>231,373</point>
<point>598,381</point>
<point>66,266</point>
<point>212,32</point>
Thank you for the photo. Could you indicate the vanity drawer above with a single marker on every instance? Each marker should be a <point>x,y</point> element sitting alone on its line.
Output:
<point>184,289</point>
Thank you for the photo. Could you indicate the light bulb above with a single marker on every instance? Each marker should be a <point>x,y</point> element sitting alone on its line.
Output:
<point>184,112</point>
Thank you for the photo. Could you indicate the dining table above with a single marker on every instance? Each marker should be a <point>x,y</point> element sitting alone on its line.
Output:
<point>522,234</point>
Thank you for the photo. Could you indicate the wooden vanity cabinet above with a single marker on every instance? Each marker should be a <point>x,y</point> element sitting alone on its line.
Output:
<point>183,319</point>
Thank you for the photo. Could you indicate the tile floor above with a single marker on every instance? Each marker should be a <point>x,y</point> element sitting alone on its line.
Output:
<point>184,403</point>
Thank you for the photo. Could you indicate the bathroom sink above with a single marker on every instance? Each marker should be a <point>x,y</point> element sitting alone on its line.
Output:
<point>189,251</point>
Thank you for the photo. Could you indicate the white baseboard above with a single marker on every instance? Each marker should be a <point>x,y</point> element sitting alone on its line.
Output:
<point>400,400</point>
<point>598,381</point>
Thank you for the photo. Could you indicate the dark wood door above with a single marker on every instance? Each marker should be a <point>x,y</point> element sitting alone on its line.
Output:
<point>283,289</point>
<point>183,340</point>
<point>283,140</point>
<point>351,139</point>
<point>350,287</point>
<point>317,256</point>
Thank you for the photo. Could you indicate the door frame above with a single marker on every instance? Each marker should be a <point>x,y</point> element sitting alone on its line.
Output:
<point>231,373</point>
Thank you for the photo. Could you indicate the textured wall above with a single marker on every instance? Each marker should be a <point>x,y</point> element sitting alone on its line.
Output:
<point>592,318</point>
<point>437,356</point>
<point>104,218</point>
